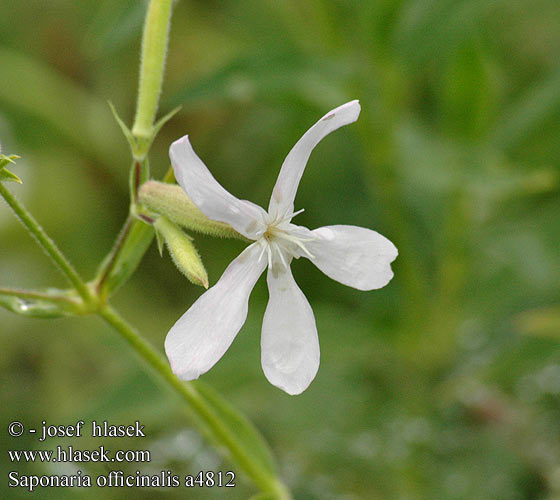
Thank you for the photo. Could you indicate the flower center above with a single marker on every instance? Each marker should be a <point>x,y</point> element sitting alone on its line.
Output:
<point>282,241</point>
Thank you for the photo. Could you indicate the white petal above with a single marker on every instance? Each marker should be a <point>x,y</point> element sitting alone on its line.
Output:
<point>284,192</point>
<point>354,256</point>
<point>204,333</point>
<point>209,196</point>
<point>289,343</point>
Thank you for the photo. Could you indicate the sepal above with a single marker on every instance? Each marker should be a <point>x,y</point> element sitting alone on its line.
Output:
<point>125,130</point>
<point>160,242</point>
<point>170,200</point>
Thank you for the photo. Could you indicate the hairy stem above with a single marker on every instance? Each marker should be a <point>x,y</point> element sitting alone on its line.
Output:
<point>127,252</point>
<point>46,243</point>
<point>154,48</point>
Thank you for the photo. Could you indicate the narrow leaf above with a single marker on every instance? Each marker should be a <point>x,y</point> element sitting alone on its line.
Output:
<point>239,426</point>
<point>4,160</point>
<point>163,120</point>
<point>5,174</point>
<point>119,266</point>
<point>50,303</point>
<point>125,130</point>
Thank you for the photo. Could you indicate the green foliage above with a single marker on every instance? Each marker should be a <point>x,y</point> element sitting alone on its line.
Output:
<point>240,427</point>
<point>443,385</point>
<point>5,174</point>
<point>51,303</point>
<point>136,236</point>
<point>139,147</point>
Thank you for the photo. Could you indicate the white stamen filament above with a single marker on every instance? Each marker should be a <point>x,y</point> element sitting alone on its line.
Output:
<point>279,251</point>
<point>297,241</point>
<point>269,256</point>
<point>292,215</point>
<point>277,240</point>
<point>264,247</point>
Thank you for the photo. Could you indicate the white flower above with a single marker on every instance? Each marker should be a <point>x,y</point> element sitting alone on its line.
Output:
<point>354,256</point>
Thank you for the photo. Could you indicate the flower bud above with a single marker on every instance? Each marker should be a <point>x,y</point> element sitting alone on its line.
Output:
<point>182,251</point>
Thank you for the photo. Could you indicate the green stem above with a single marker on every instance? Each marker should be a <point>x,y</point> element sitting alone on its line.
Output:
<point>154,48</point>
<point>187,391</point>
<point>131,245</point>
<point>47,244</point>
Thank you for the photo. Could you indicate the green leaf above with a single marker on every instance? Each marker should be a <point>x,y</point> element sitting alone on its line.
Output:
<point>163,120</point>
<point>5,174</point>
<point>5,160</point>
<point>239,426</point>
<point>140,146</point>
<point>143,144</point>
<point>117,268</point>
<point>49,303</point>
<point>125,130</point>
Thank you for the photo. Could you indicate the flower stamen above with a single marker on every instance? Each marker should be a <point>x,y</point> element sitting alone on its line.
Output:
<point>279,251</point>
<point>289,217</point>
<point>296,240</point>
<point>262,252</point>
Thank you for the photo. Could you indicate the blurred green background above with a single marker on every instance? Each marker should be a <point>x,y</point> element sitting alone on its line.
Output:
<point>443,385</point>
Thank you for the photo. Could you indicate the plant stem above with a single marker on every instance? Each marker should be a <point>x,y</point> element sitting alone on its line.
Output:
<point>188,392</point>
<point>154,47</point>
<point>133,234</point>
<point>47,244</point>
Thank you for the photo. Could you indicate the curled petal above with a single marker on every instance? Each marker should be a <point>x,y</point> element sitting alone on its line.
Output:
<point>289,342</point>
<point>284,192</point>
<point>204,333</point>
<point>209,196</point>
<point>353,256</point>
